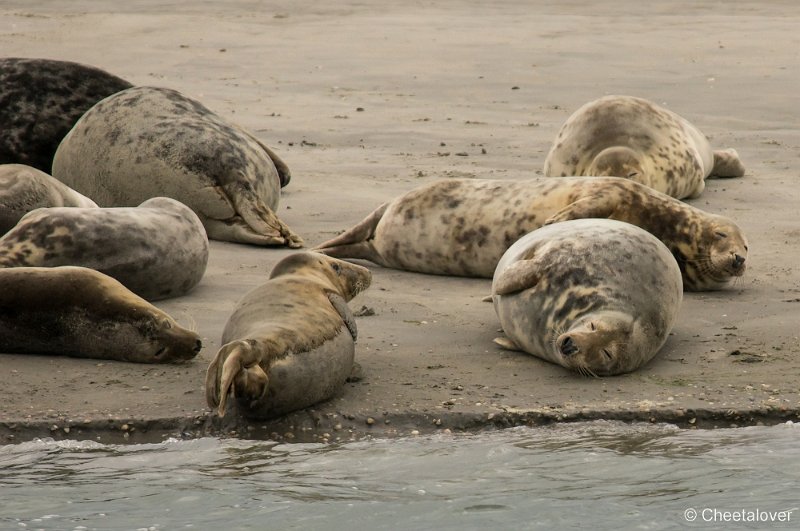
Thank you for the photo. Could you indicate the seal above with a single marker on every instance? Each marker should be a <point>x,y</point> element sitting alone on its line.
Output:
<point>290,342</point>
<point>40,101</point>
<point>80,312</point>
<point>596,296</point>
<point>24,188</point>
<point>463,226</point>
<point>157,250</point>
<point>630,137</point>
<point>147,142</point>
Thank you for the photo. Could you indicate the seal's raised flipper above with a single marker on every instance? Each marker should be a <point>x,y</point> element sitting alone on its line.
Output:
<point>235,369</point>
<point>517,277</point>
<point>340,305</point>
<point>727,164</point>
<point>506,343</point>
<point>588,207</point>
<point>356,241</point>
<point>487,298</point>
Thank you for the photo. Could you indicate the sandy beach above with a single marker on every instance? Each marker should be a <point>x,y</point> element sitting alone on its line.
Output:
<point>366,100</point>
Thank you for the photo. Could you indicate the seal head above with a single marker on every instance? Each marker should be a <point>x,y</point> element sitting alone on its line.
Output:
<point>83,313</point>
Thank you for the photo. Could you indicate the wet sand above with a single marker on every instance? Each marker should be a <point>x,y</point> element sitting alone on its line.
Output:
<point>365,101</point>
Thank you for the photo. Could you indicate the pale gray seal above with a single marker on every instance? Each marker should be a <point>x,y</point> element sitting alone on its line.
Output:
<point>157,250</point>
<point>463,226</point>
<point>597,296</point>
<point>630,137</point>
<point>75,311</point>
<point>147,142</point>
<point>289,343</point>
<point>24,188</point>
<point>40,101</point>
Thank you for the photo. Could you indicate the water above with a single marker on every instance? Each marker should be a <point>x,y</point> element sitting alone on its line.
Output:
<point>606,475</point>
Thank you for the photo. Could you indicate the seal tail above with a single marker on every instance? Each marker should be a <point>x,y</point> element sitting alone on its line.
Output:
<point>727,164</point>
<point>356,242</point>
<point>239,373</point>
<point>284,175</point>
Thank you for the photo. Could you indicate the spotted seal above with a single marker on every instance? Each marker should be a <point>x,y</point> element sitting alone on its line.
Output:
<point>596,296</point>
<point>146,142</point>
<point>630,137</point>
<point>463,226</point>
<point>81,312</point>
<point>157,250</point>
<point>40,101</point>
<point>24,188</point>
<point>290,342</point>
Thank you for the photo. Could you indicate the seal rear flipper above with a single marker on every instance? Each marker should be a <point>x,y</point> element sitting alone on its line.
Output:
<point>236,230</point>
<point>284,175</point>
<point>235,369</point>
<point>340,305</point>
<point>727,164</point>
<point>517,277</point>
<point>355,242</point>
<point>588,207</point>
<point>256,223</point>
<point>506,343</point>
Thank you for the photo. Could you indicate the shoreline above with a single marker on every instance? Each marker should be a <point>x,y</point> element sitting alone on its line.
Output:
<point>365,101</point>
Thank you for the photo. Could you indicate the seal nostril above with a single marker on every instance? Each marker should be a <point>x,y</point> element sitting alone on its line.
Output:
<point>198,346</point>
<point>738,260</point>
<point>568,346</point>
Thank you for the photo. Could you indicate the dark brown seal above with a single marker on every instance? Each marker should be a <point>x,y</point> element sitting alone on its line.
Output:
<point>40,101</point>
<point>75,311</point>
<point>463,226</point>
<point>290,342</point>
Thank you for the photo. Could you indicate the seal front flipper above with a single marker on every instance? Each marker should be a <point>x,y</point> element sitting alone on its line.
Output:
<point>235,369</point>
<point>517,277</point>
<point>340,305</point>
<point>506,343</point>
<point>356,241</point>
<point>588,207</point>
<point>727,164</point>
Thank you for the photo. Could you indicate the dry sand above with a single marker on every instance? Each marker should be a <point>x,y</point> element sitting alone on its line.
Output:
<point>365,100</point>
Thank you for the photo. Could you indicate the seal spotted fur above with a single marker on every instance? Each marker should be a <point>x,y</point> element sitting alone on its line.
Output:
<point>80,312</point>
<point>40,101</point>
<point>630,137</point>
<point>289,343</point>
<point>463,226</point>
<point>157,250</point>
<point>147,142</point>
<point>595,296</point>
<point>24,188</point>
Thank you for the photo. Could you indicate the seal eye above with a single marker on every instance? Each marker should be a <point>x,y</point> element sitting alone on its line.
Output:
<point>721,235</point>
<point>167,324</point>
<point>591,327</point>
<point>609,357</point>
